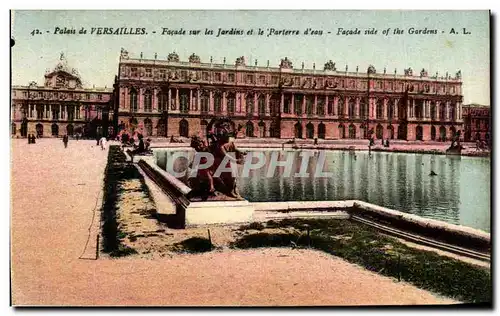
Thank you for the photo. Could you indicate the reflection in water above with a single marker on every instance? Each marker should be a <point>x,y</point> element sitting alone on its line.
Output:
<point>459,194</point>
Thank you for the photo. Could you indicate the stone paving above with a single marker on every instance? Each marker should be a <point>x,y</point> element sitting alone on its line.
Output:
<point>55,203</point>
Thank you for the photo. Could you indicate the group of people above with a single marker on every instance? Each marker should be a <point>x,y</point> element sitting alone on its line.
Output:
<point>129,141</point>
<point>481,145</point>
<point>31,139</point>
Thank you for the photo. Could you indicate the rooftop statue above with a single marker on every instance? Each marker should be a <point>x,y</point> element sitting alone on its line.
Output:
<point>240,61</point>
<point>194,58</point>
<point>408,72</point>
<point>173,57</point>
<point>123,54</point>
<point>330,65</point>
<point>286,63</point>
<point>458,75</point>
<point>371,70</point>
<point>423,73</point>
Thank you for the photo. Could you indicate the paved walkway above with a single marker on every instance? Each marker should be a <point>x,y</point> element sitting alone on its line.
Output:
<point>54,193</point>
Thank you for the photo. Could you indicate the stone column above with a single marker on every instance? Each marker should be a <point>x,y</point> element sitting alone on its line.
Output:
<point>315,106</point>
<point>357,109</point>
<point>224,104</point>
<point>335,106</point>
<point>327,113</point>
<point>282,102</point>
<point>384,111</point>
<point>446,111</point>
<point>198,100</point>
<point>304,97</point>
<point>240,101</point>
<point>169,103</point>
<point>396,108</point>
<point>140,100</point>
<point>154,100</point>
<point>408,108</point>
<point>255,104</point>
<point>190,105</point>
<point>211,102</point>
<point>292,106</point>
<point>267,108</point>
<point>177,101</point>
<point>372,108</point>
<point>346,107</point>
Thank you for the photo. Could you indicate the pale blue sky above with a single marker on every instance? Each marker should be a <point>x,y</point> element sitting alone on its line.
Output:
<point>96,57</point>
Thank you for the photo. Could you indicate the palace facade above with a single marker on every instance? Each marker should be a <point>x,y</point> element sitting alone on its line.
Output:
<point>172,97</point>
<point>61,106</point>
<point>477,120</point>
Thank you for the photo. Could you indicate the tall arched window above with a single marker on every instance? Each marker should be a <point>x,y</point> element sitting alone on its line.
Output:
<point>231,103</point>
<point>297,106</point>
<point>419,109</point>
<point>133,100</point>
<point>249,130</point>
<point>380,108</point>
<point>262,104</point>
<point>433,111</point>
<point>390,109</point>
<point>217,103</point>
<point>320,110</point>
<point>184,100</point>
<point>451,112</point>
<point>162,101</point>
<point>205,102</point>
<point>331,106</point>
<point>309,104</point>
<point>309,130</point>
<point>352,108</point>
<point>184,128</point>
<point>363,108</point>
<point>341,131</point>
<point>147,101</point>
<point>442,111</point>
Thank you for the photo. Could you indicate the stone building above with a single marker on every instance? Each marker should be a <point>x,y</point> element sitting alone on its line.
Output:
<point>477,122</point>
<point>172,97</point>
<point>61,106</point>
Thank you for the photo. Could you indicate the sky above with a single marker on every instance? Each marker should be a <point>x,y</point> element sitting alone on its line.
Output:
<point>96,56</point>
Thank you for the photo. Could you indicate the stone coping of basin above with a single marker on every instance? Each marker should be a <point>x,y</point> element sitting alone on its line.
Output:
<point>301,205</point>
<point>362,206</point>
<point>179,185</point>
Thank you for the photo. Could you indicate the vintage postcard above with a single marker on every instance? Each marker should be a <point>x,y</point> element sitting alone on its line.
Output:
<point>250,158</point>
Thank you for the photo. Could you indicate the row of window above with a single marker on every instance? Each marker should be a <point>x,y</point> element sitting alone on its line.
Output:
<point>56,95</point>
<point>298,105</point>
<point>301,81</point>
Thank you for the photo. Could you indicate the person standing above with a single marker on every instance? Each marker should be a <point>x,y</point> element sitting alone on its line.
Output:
<point>103,141</point>
<point>65,141</point>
